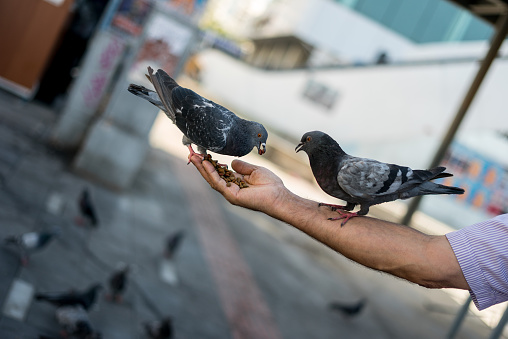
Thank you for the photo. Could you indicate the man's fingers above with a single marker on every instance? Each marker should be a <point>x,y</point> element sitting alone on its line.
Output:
<point>199,164</point>
<point>212,172</point>
<point>209,172</point>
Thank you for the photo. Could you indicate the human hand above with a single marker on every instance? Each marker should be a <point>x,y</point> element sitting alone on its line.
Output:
<point>265,192</point>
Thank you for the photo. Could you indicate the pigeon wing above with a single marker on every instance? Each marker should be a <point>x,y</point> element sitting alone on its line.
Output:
<point>163,85</point>
<point>204,122</point>
<point>367,178</point>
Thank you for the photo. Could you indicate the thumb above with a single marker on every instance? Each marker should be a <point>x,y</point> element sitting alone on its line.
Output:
<point>242,167</point>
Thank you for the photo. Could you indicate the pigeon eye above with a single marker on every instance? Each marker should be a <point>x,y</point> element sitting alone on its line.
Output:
<point>309,138</point>
<point>259,135</point>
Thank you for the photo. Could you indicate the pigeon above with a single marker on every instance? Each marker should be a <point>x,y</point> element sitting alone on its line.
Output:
<point>30,242</point>
<point>365,181</point>
<point>162,329</point>
<point>75,322</point>
<point>172,243</point>
<point>203,122</point>
<point>118,283</point>
<point>348,310</point>
<point>87,208</point>
<point>85,299</point>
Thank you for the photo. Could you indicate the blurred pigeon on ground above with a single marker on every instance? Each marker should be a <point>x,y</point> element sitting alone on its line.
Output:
<point>364,181</point>
<point>204,123</point>
<point>118,283</point>
<point>87,208</point>
<point>173,242</point>
<point>75,322</point>
<point>85,299</point>
<point>30,242</point>
<point>162,329</point>
<point>348,310</point>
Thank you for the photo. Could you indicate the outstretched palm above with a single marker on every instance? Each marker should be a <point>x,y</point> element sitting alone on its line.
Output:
<point>265,188</point>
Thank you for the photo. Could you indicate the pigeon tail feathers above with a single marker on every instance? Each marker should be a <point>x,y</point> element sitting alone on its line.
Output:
<point>430,188</point>
<point>431,174</point>
<point>146,94</point>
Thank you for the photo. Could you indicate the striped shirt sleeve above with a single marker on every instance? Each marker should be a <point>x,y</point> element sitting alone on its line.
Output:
<point>482,252</point>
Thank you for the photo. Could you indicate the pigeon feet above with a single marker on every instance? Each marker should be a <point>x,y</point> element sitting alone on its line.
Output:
<point>346,216</point>
<point>79,221</point>
<point>333,207</point>
<point>114,298</point>
<point>191,153</point>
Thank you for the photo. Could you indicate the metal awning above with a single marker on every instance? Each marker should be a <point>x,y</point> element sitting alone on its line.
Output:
<point>489,10</point>
<point>496,13</point>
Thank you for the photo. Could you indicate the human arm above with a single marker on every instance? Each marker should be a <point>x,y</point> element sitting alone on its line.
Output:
<point>396,249</point>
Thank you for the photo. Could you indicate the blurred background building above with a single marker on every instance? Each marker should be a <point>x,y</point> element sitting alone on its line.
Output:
<point>385,78</point>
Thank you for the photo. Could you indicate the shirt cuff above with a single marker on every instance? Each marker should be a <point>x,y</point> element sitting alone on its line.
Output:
<point>481,293</point>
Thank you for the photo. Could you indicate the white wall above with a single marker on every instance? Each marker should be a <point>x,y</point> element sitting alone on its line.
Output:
<point>393,113</point>
<point>330,26</point>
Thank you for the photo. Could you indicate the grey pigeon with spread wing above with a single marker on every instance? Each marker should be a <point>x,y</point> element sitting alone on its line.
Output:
<point>75,322</point>
<point>30,242</point>
<point>86,298</point>
<point>204,123</point>
<point>365,182</point>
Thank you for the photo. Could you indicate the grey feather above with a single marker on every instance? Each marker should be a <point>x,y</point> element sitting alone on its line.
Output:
<point>366,182</point>
<point>204,123</point>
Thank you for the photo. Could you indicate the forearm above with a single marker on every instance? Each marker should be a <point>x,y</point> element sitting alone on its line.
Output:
<point>396,249</point>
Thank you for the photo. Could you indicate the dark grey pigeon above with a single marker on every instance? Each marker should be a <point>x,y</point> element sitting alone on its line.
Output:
<point>85,299</point>
<point>30,242</point>
<point>87,208</point>
<point>118,283</point>
<point>162,329</point>
<point>348,309</point>
<point>173,242</point>
<point>365,182</point>
<point>203,122</point>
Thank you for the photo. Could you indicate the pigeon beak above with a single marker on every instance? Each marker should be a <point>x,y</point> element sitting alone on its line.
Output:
<point>262,148</point>
<point>299,147</point>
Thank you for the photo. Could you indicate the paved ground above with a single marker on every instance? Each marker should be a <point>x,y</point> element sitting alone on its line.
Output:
<point>240,273</point>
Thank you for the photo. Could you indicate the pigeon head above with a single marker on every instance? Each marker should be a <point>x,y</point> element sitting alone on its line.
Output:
<point>258,137</point>
<point>247,135</point>
<point>311,140</point>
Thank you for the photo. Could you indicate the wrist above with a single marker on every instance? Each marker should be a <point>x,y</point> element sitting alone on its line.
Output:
<point>282,202</point>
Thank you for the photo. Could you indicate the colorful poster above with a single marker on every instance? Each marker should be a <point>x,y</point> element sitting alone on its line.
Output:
<point>485,181</point>
<point>193,9</point>
<point>131,15</point>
